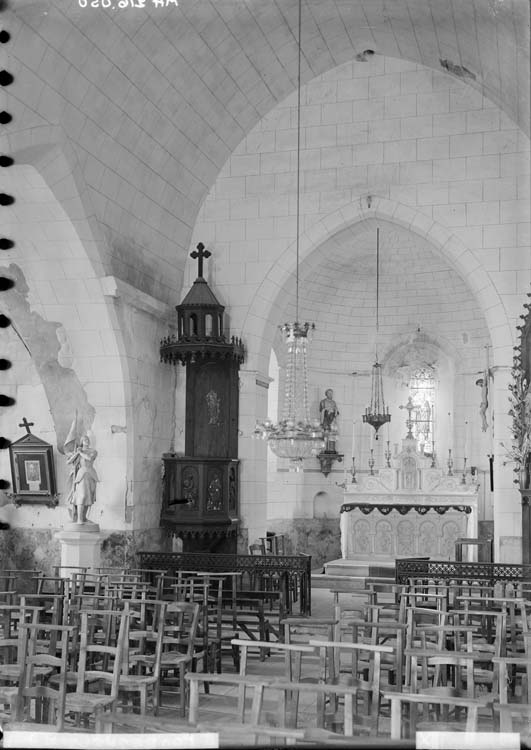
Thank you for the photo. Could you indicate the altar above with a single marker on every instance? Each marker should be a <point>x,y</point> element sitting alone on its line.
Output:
<point>407,509</point>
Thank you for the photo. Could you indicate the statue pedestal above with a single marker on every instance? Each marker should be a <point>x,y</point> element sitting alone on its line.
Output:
<point>80,545</point>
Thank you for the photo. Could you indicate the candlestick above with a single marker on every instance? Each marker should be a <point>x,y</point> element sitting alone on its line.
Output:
<point>449,429</point>
<point>463,478</point>
<point>371,462</point>
<point>433,455</point>
<point>353,471</point>
<point>450,462</point>
<point>388,456</point>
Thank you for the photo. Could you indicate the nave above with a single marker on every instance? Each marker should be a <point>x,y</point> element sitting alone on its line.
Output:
<point>145,652</point>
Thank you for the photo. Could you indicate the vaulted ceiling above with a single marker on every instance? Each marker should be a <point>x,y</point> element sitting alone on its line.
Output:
<point>150,102</point>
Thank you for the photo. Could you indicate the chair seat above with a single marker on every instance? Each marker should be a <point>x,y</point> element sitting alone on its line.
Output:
<point>174,659</point>
<point>132,681</point>
<point>86,702</point>
<point>12,671</point>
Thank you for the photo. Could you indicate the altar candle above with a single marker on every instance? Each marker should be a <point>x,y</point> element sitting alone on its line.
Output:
<point>466,438</point>
<point>449,432</point>
<point>372,437</point>
<point>353,435</point>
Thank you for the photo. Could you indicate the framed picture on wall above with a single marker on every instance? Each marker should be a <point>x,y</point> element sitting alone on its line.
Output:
<point>32,471</point>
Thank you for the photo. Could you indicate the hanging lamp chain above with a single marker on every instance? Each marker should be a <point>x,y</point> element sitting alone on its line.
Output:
<point>377,287</point>
<point>298,211</point>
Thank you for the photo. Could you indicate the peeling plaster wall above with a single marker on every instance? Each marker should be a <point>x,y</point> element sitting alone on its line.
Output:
<point>64,350</point>
<point>46,343</point>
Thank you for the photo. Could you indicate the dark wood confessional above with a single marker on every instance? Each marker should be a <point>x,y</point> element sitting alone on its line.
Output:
<point>200,501</point>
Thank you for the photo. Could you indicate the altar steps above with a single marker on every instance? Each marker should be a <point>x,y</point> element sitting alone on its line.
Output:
<point>351,574</point>
<point>361,568</point>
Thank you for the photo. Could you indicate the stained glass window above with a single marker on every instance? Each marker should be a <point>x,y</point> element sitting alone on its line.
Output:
<point>422,392</point>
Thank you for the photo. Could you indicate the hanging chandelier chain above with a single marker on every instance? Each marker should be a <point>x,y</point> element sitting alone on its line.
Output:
<point>377,413</point>
<point>298,210</point>
<point>296,436</point>
<point>377,287</point>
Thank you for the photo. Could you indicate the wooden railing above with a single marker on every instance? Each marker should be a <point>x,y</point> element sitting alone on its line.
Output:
<point>469,572</point>
<point>293,572</point>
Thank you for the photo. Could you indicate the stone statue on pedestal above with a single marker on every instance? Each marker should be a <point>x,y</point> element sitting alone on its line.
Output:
<point>84,480</point>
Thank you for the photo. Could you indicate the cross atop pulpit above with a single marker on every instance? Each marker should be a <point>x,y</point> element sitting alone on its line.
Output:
<point>410,406</point>
<point>200,254</point>
<point>27,425</point>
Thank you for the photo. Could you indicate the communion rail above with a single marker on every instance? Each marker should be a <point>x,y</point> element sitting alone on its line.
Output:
<point>292,573</point>
<point>444,571</point>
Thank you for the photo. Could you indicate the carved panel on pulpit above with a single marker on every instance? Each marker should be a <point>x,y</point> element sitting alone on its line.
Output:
<point>214,491</point>
<point>190,486</point>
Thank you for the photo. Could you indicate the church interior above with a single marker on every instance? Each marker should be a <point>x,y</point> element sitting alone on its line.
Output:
<point>266,275</point>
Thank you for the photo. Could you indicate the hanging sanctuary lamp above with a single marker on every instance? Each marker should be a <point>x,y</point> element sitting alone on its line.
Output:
<point>377,414</point>
<point>296,436</point>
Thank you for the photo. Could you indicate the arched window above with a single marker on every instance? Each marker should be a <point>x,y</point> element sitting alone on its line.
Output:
<point>422,391</point>
<point>193,324</point>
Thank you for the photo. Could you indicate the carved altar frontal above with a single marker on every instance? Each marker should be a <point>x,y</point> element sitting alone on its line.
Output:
<point>408,509</point>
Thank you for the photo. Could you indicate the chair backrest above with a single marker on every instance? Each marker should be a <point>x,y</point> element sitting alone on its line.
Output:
<point>145,635</point>
<point>180,628</point>
<point>102,661</point>
<point>35,694</point>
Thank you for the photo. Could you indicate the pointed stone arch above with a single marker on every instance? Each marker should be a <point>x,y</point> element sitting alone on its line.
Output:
<point>260,324</point>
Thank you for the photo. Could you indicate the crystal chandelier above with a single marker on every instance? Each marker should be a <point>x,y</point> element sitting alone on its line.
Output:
<point>295,437</point>
<point>377,413</point>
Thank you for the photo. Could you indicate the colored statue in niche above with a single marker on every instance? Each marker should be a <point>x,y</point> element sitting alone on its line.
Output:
<point>84,480</point>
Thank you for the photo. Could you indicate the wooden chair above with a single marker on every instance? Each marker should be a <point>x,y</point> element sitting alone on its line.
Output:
<point>384,633</point>
<point>141,664</point>
<point>259,685</point>
<point>330,656</point>
<point>179,648</point>
<point>12,653</point>
<point>293,654</point>
<point>39,705</point>
<point>399,700</point>
<point>505,667</point>
<point>93,678</point>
